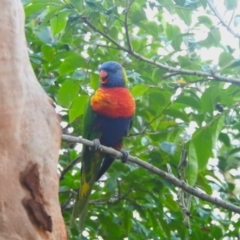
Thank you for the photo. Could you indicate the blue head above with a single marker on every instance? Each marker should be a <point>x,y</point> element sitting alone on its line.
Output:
<point>112,74</point>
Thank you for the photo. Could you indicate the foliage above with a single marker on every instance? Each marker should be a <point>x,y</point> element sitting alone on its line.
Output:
<point>178,61</point>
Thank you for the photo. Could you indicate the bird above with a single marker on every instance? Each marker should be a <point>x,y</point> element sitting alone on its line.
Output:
<point>108,118</point>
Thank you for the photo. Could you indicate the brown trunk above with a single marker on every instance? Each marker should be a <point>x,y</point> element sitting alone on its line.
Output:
<point>29,140</point>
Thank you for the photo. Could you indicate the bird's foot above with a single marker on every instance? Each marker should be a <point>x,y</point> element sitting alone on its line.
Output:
<point>96,145</point>
<point>125,156</point>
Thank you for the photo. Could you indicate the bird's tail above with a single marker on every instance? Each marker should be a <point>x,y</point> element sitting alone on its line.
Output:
<point>81,204</point>
<point>90,167</point>
<point>107,162</point>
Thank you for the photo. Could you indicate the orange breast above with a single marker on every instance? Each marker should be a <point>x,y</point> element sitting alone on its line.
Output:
<point>113,102</point>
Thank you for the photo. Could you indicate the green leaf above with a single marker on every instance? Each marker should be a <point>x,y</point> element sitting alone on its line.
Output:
<point>230,4</point>
<point>225,59</point>
<point>189,101</point>
<point>184,62</point>
<point>96,5</point>
<point>213,39</point>
<point>168,147</point>
<point>79,74</point>
<point>203,183</point>
<point>158,73</point>
<point>113,32</point>
<point>67,93</point>
<point>171,203</point>
<point>236,20</point>
<point>33,8</point>
<point>217,128</point>
<point>137,14</point>
<point>205,20</point>
<point>139,90</point>
<point>94,81</point>
<point>224,138</point>
<point>180,2</point>
<point>77,4</point>
<point>157,100</point>
<point>52,11</point>
<point>177,114</point>
<point>127,219</point>
<point>152,28</point>
<point>209,99</point>
<point>202,141</point>
<point>174,34</point>
<point>169,5</point>
<point>44,34</point>
<point>137,17</point>
<point>78,107</point>
<point>46,1</point>
<point>71,63</point>
<point>48,52</point>
<point>199,118</point>
<point>111,10</point>
<point>58,23</point>
<point>204,3</point>
<point>234,64</point>
<point>185,15</point>
<point>192,169</point>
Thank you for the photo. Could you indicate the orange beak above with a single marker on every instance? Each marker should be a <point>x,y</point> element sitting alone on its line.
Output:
<point>103,76</point>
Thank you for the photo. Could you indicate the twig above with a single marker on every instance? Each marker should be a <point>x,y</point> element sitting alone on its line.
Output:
<point>169,75</point>
<point>109,201</point>
<point>217,14</point>
<point>107,46</point>
<point>157,64</point>
<point>118,187</point>
<point>90,61</point>
<point>154,119</point>
<point>66,169</point>
<point>196,81</point>
<point>172,179</point>
<point>183,197</point>
<point>64,206</point>
<point>128,5</point>
<point>232,16</point>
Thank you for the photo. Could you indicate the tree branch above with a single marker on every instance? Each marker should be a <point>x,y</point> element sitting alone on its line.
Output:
<point>68,167</point>
<point>128,5</point>
<point>170,178</point>
<point>217,14</point>
<point>210,76</point>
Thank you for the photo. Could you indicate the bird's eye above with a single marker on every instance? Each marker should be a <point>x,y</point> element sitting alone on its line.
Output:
<point>114,70</point>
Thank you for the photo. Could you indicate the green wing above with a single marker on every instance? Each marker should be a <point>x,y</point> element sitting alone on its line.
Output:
<point>91,162</point>
<point>88,122</point>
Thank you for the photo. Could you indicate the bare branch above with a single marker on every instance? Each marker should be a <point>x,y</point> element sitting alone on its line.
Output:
<point>232,16</point>
<point>128,5</point>
<point>89,24</point>
<point>169,75</point>
<point>210,76</point>
<point>170,178</point>
<point>65,205</point>
<point>218,15</point>
<point>65,170</point>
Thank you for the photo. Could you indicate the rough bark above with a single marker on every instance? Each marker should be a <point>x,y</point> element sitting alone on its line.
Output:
<point>29,140</point>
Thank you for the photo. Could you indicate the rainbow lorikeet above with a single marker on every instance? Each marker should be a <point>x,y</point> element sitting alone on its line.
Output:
<point>108,118</point>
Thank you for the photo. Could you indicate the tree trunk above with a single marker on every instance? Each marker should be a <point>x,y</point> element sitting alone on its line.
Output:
<point>29,140</point>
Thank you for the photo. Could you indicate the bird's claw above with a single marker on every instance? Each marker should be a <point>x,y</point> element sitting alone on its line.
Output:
<point>125,156</point>
<point>96,145</point>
